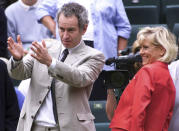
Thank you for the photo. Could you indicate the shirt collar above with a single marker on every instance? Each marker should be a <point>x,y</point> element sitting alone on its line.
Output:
<point>70,49</point>
<point>27,7</point>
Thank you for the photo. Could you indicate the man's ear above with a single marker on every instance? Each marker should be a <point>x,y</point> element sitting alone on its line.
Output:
<point>85,28</point>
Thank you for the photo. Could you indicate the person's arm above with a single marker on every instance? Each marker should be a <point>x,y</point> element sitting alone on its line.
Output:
<point>121,22</point>
<point>111,103</point>
<point>46,8</point>
<point>16,62</point>
<point>122,44</point>
<point>123,29</point>
<point>49,22</point>
<point>46,13</point>
<point>79,77</point>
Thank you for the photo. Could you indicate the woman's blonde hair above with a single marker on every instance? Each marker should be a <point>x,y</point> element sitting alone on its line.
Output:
<point>160,36</point>
<point>135,47</point>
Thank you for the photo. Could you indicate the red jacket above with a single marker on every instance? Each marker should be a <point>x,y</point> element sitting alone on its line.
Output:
<point>147,102</point>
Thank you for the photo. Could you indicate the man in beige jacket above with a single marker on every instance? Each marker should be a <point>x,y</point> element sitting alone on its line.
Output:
<point>74,77</point>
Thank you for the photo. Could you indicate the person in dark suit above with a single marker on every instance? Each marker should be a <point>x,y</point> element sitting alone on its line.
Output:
<point>3,34</point>
<point>5,3</point>
<point>9,110</point>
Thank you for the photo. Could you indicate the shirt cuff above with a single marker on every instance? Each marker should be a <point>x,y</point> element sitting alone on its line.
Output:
<point>15,61</point>
<point>53,64</point>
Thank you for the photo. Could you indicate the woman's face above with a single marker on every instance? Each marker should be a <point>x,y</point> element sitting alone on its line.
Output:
<point>150,53</point>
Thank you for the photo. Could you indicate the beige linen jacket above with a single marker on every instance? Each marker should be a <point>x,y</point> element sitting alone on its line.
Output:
<point>75,78</point>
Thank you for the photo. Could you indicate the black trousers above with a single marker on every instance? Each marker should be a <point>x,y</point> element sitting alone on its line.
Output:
<point>99,91</point>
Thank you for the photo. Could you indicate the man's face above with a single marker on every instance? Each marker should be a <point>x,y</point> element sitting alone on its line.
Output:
<point>69,31</point>
<point>29,2</point>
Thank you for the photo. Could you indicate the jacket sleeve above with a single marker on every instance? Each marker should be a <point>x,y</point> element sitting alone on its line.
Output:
<point>142,98</point>
<point>83,75</point>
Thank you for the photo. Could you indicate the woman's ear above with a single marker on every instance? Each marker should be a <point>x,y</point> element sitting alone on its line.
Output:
<point>162,51</point>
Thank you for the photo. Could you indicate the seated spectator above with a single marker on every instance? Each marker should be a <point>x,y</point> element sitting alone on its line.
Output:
<point>28,28</point>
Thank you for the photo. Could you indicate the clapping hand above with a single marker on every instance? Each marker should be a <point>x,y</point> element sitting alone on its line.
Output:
<point>16,49</point>
<point>41,53</point>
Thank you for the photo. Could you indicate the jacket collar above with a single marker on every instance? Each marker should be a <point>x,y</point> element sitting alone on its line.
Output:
<point>76,53</point>
<point>57,48</point>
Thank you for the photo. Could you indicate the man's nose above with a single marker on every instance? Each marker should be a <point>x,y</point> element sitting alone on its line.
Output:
<point>66,35</point>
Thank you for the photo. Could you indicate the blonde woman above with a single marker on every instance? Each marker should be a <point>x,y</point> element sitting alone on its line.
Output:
<point>147,102</point>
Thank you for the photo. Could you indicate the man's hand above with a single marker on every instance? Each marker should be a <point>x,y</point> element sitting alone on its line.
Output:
<point>16,49</point>
<point>41,53</point>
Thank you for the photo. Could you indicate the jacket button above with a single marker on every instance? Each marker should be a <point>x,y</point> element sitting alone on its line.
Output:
<point>40,102</point>
<point>32,117</point>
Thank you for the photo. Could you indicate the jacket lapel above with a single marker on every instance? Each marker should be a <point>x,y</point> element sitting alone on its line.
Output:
<point>55,48</point>
<point>74,55</point>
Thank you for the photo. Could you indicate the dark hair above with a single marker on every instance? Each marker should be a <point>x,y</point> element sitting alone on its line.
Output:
<point>76,9</point>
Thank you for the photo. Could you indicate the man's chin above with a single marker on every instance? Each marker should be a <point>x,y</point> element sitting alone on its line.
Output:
<point>65,44</point>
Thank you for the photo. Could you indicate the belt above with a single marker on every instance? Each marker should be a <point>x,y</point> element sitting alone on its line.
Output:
<point>37,127</point>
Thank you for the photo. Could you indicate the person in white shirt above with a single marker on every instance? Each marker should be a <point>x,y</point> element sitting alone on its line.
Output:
<point>72,79</point>
<point>174,71</point>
